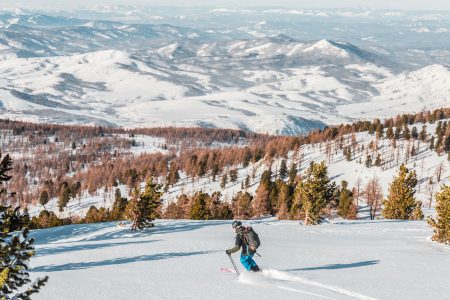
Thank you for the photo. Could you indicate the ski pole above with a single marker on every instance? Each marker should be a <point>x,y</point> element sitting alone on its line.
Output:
<point>234,265</point>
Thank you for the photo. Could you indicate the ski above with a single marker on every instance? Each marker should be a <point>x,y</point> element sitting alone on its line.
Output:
<point>227,270</point>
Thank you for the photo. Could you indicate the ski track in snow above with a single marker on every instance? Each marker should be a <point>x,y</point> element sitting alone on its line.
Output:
<point>279,275</point>
<point>249,278</point>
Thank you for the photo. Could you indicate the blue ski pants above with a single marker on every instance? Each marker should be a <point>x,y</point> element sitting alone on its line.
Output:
<point>247,261</point>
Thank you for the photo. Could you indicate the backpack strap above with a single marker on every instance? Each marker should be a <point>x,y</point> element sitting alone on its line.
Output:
<point>245,232</point>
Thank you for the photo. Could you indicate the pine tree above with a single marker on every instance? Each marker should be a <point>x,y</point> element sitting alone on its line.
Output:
<point>143,207</point>
<point>214,172</point>
<point>43,198</point>
<point>401,203</point>
<point>346,209</point>
<point>447,143</point>
<point>406,133</point>
<point>199,209</point>
<point>224,180</point>
<point>218,210</point>
<point>247,182</point>
<point>378,161</point>
<point>119,206</point>
<point>414,133</point>
<point>397,133</point>
<point>233,175</point>
<point>64,196</point>
<point>423,133</point>
<point>316,192</point>
<point>368,162</point>
<point>283,169</point>
<point>46,219</point>
<point>348,153</point>
<point>441,224</point>
<point>292,173</point>
<point>16,248</point>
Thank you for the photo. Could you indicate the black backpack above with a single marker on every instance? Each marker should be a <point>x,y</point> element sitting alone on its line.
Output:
<point>251,238</point>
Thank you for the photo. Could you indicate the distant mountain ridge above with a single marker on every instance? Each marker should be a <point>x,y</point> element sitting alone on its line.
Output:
<point>67,70</point>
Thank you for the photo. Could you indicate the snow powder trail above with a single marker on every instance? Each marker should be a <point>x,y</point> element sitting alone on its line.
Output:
<point>276,274</point>
<point>249,278</point>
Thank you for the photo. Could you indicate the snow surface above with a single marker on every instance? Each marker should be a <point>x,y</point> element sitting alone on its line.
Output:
<point>182,260</point>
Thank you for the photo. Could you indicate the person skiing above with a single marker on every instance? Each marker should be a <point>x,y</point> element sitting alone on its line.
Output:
<point>249,241</point>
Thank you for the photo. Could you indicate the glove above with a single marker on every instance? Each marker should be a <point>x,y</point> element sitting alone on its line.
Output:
<point>228,252</point>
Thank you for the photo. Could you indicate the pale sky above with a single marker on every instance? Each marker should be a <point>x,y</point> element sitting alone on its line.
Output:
<point>378,4</point>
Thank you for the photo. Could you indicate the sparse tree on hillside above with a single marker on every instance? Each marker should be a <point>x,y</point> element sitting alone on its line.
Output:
<point>261,202</point>
<point>414,133</point>
<point>368,162</point>
<point>374,196</point>
<point>233,175</point>
<point>358,189</point>
<point>292,173</point>
<point>438,172</point>
<point>247,182</point>
<point>143,207</point>
<point>173,211</point>
<point>401,203</point>
<point>441,223</point>
<point>316,191</point>
<point>119,206</point>
<point>242,206</point>
<point>224,180</point>
<point>172,176</point>
<point>283,169</point>
<point>346,209</point>
<point>432,143</point>
<point>43,198</point>
<point>64,196</point>
<point>199,209</point>
<point>423,133</point>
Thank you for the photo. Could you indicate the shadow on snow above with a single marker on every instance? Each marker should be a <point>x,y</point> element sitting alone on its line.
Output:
<point>339,266</point>
<point>87,246</point>
<point>118,261</point>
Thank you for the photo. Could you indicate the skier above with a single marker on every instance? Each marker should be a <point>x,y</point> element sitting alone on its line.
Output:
<point>249,241</point>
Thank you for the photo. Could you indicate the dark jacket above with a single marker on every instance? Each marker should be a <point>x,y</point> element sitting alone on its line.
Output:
<point>240,242</point>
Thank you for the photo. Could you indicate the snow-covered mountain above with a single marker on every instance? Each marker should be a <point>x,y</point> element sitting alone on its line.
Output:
<point>275,85</point>
<point>69,70</point>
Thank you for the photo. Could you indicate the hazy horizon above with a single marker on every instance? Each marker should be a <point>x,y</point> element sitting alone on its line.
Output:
<point>323,4</point>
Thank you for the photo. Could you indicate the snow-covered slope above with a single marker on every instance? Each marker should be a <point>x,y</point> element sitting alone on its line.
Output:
<point>425,162</point>
<point>182,260</point>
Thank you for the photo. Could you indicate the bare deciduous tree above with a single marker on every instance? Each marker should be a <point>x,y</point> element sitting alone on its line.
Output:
<point>374,196</point>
